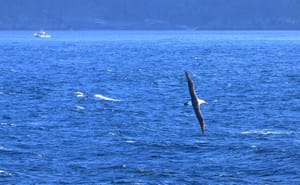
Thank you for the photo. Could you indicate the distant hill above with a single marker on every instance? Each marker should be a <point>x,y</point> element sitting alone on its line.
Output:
<point>150,14</point>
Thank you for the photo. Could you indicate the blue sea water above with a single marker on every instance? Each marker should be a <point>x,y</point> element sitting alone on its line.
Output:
<point>107,107</point>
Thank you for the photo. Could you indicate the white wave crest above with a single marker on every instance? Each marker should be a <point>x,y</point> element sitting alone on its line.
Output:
<point>112,133</point>
<point>105,98</point>
<point>3,148</point>
<point>5,172</point>
<point>8,124</point>
<point>80,94</point>
<point>264,132</point>
<point>79,107</point>
<point>130,141</point>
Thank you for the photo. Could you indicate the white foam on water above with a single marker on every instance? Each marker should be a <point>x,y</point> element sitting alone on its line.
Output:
<point>13,70</point>
<point>215,101</point>
<point>8,124</point>
<point>138,183</point>
<point>40,155</point>
<point>80,94</point>
<point>5,172</point>
<point>130,141</point>
<point>264,132</point>
<point>105,98</point>
<point>79,107</point>
<point>3,148</point>
<point>197,58</point>
<point>112,133</point>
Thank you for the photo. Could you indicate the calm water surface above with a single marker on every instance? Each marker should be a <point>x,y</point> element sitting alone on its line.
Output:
<point>108,108</point>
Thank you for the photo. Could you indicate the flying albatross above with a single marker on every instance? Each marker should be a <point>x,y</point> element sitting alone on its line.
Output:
<point>196,102</point>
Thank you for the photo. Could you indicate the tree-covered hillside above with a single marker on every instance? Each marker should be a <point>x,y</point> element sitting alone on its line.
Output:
<point>149,14</point>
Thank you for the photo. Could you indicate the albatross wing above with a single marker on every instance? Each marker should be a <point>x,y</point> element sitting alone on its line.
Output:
<point>200,118</point>
<point>195,101</point>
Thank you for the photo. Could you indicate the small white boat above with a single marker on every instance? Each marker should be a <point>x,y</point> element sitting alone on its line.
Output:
<point>42,34</point>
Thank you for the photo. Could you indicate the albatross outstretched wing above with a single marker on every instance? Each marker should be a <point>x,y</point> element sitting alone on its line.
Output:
<point>195,101</point>
<point>200,118</point>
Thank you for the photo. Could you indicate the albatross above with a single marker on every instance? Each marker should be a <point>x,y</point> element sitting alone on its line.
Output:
<point>196,101</point>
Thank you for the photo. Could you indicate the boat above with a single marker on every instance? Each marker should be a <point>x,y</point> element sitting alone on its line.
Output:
<point>42,34</point>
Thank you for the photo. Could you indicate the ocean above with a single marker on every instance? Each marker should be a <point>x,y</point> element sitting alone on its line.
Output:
<point>108,107</point>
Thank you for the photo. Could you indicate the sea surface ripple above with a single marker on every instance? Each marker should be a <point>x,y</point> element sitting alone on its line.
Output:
<point>107,107</point>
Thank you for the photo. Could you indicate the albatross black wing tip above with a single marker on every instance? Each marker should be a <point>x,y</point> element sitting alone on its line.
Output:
<point>203,130</point>
<point>187,75</point>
